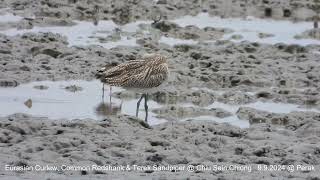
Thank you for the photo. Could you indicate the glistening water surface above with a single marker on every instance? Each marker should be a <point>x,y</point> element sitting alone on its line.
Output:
<point>281,31</point>
<point>57,102</point>
<point>108,34</point>
<point>5,18</point>
<point>83,99</point>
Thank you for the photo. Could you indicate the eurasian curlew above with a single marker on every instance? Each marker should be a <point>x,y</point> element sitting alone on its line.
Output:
<point>146,75</point>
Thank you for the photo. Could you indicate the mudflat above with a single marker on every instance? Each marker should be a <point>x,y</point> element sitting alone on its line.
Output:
<point>237,105</point>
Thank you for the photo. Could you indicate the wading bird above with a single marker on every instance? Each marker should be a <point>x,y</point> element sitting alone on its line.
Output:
<point>146,75</point>
<point>101,75</point>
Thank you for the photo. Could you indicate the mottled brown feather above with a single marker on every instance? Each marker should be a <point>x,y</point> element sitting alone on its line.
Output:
<point>149,72</point>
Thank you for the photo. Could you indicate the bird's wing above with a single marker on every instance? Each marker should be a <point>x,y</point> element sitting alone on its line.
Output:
<point>117,75</point>
<point>148,78</point>
<point>123,68</point>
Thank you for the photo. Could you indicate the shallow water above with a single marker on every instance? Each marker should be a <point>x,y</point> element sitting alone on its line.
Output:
<point>233,120</point>
<point>283,31</point>
<point>84,33</point>
<point>57,102</point>
<point>271,107</point>
<point>87,33</point>
<point>8,17</point>
<point>173,41</point>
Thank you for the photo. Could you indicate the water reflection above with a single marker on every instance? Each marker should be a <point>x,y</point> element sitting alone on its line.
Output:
<point>96,21</point>
<point>59,101</point>
<point>250,29</point>
<point>105,109</point>
<point>283,31</point>
<point>55,101</point>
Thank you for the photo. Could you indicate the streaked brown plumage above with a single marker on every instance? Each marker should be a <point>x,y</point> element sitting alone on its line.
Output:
<point>145,75</point>
<point>149,72</point>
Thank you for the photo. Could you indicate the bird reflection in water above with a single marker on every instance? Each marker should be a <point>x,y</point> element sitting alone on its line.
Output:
<point>95,21</point>
<point>107,108</point>
<point>95,15</point>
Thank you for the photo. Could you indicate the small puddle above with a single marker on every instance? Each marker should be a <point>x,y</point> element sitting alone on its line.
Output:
<point>9,17</point>
<point>233,120</point>
<point>173,41</point>
<point>316,52</point>
<point>271,107</point>
<point>278,107</point>
<point>83,99</point>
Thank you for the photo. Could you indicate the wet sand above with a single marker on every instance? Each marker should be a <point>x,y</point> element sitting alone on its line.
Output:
<point>240,98</point>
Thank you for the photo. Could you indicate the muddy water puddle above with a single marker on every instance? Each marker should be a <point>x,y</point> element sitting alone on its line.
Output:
<point>83,99</point>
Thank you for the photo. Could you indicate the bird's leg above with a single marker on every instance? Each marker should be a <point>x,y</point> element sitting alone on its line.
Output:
<point>121,105</point>
<point>138,105</point>
<point>110,99</point>
<point>146,106</point>
<point>102,92</point>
